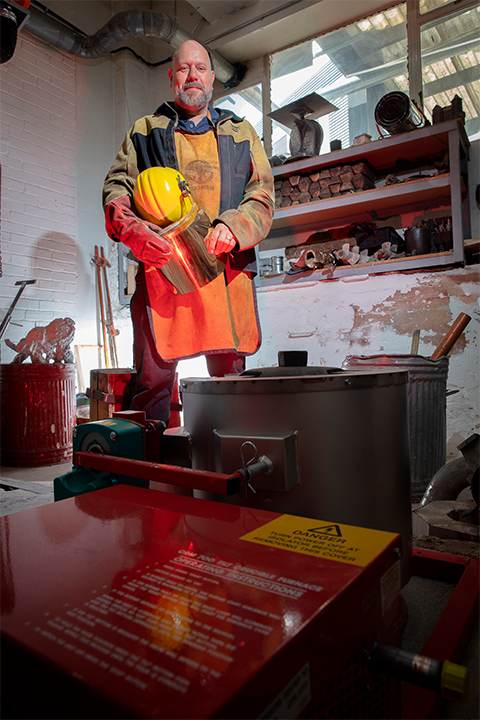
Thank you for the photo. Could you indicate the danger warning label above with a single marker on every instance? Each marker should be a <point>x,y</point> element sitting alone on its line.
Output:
<point>342,543</point>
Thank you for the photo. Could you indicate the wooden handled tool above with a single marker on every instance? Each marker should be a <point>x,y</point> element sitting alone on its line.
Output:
<point>451,337</point>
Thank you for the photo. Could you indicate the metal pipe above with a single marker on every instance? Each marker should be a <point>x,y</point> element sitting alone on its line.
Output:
<point>130,23</point>
<point>448,482</point>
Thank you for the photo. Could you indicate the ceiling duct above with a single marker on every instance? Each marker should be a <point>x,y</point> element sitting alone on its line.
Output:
<point>130,23</point>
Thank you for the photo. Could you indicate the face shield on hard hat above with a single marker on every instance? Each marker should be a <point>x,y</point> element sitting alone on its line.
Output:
<point>162,197</point>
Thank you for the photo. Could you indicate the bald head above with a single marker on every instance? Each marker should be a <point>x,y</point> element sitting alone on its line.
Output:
<point>190,46</point>
<point>191,78</point>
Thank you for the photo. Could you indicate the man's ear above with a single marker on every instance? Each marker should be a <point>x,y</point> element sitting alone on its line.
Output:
<point>170,74</point>
<point>213,76</point>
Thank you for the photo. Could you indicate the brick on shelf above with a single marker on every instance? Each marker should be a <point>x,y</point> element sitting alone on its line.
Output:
<point>324,183</point>
<point>362,182</point>
<point>346,173</point>
<point>305,197</point>
<point>365,168</point>
<point>304,184</point>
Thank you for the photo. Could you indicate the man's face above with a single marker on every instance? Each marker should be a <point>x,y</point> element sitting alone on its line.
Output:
<point>191,77</point>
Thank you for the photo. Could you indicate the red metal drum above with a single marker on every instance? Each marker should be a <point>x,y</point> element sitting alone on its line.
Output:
<point>38,413</point>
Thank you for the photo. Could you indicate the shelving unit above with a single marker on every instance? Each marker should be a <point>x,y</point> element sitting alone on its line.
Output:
<point>406,154</point>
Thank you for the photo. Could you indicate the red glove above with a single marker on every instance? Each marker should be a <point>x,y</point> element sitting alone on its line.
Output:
<point>142,237</point>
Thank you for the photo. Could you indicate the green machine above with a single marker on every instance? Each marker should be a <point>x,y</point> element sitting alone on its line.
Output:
<point>132,439</point>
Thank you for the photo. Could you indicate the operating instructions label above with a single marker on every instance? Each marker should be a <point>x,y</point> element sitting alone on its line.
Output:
<point>341,543</point>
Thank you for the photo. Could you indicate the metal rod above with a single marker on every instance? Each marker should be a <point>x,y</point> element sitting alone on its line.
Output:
<point>97,260</point>
<point>112,333</point>
<point>415,342</point>
<point>8,316</point>
<point>156,472</point>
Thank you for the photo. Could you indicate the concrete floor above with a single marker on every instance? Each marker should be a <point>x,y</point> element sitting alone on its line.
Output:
<point>424,599</point>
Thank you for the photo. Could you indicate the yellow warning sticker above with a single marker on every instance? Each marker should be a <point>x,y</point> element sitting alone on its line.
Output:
<point>341,543</point>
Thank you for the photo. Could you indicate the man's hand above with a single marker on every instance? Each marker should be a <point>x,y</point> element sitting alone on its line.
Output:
<point>140,236</point>
<point>220,239</point>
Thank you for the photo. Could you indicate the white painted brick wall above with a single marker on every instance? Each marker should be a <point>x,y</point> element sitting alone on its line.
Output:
<point>38,199</point>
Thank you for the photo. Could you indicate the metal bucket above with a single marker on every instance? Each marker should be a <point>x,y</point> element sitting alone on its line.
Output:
<point>338,443</point>
<point>38,413</point>
<point>427,391</point>
<point>418,241</point>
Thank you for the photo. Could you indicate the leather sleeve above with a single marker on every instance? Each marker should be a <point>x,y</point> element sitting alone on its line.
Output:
<point>123,225</point>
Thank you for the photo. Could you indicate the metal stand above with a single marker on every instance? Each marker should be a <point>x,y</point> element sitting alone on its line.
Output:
<point>110,348</point>
<point>453,632</point>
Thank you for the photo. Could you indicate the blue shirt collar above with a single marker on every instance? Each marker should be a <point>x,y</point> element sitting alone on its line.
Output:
<point>205,124</point>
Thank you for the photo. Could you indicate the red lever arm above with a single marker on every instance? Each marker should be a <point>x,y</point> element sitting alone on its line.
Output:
<point>169,474</point>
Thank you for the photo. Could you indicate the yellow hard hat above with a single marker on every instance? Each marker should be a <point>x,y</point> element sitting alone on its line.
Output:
<point>162,196</point>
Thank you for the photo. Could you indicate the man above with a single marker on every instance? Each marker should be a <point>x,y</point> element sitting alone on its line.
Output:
<point>230,179</point>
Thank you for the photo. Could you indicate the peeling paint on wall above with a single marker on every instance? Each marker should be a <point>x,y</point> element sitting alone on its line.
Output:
<point>378,314</point>
<point>421,308</point>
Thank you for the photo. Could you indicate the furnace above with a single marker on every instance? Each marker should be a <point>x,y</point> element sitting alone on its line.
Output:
<point>338,442</point>
<point>126,602</point>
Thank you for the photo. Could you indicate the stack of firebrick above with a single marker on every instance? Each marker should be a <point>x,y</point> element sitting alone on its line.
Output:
<point>326,183</point>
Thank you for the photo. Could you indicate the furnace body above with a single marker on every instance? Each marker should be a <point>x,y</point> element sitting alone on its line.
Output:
<point>126,602</point>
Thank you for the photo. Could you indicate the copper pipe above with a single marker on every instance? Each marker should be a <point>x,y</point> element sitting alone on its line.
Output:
<point>451,337</point>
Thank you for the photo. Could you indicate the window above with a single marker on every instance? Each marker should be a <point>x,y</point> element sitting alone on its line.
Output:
<point>429,5</point>
<point>450,51</point>
<point>247,104</point>
<point>352,68</point>
<point>355,66</point>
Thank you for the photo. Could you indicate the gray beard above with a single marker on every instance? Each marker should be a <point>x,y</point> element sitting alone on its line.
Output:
<point>195,100</point>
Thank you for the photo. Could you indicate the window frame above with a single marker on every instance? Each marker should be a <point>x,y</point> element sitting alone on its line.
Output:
<point>415,22</point>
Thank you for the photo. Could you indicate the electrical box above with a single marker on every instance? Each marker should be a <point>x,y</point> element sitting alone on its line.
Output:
<point>130,603</point>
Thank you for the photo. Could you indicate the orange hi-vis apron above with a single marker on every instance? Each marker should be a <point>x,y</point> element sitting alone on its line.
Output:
<point>221,316</point>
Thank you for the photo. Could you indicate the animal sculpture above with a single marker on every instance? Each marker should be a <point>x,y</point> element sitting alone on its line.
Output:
<point>46,344</point>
